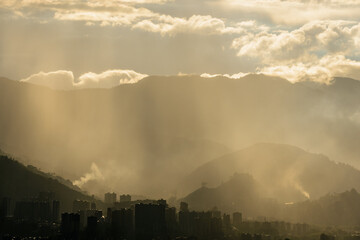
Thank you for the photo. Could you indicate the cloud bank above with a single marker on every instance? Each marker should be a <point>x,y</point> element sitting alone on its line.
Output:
<point>64,80</point>
<point>322,70</point>
<point>302,44</point>
<point>316,51</point>
<point>295,39</point>
<point>294,12</point>
<point>125,14</point>
<point>233,76</point>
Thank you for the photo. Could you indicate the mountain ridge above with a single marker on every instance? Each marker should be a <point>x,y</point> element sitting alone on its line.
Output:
<point>289,173</point>
<point>338,209</point>
<point>175,123</point>
<point>19,182</point>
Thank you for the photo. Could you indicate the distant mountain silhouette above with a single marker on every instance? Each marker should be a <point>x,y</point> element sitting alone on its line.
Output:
<point>339,209</point>
<point>19,182</point>
<point>240,193</point>
<point>287,173</point>
<point>243,193</point>
<point>155,132</point>
<point>60,179</point>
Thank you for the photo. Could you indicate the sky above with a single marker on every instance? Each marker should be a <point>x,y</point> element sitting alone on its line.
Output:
<point>70,44</point>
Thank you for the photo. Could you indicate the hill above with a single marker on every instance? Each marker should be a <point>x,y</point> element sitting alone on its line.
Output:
<point>19,182</point>
<point>240,193</point>
<point>245,194</point>
<point>288,173</point>
<point>145,137</point>
<point>336,209</point>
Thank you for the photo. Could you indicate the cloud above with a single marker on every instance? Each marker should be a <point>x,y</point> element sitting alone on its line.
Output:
<point>119,15</point>
<point>57,3</point>
<point>108,79</point>
<point>134,14</point>
<point>144,19</point>
<point>196,24</point>
<point>64,80</point>
<point>94,174</point>
<point>108,12</point>
<point>208,75</point>
<point>233,76</point>
<point>316,51</point>
<point>304,51</point>
<point>307,42</point>
<point>293,12</point>
<point>126,14</point>
<point>323,70</point>
<point>172,26</point>
<point>57,80</point>
<point>146,1</point>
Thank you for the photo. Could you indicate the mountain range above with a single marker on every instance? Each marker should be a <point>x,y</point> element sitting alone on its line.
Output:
<point>19,182</point>
<point>242,193</point>
<point>147,137</point>
<point>286,173</point>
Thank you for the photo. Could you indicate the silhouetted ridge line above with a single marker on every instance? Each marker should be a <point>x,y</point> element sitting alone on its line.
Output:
<point>18,182</point>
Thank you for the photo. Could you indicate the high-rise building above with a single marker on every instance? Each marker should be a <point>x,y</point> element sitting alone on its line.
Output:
<point>226,223</point>
<point>150,221</point>
<point>91,228</point>
<point>216,213</point>
<point>125,198</point>
<point>184,207</point>
<point>80,205</point>
<point>171,220</point>
<point>33,210</point>
<point>122,223</point>
<point>109,214</point>
<point>203,226</point>
<point>110,198</point>
<point>162,202</point>
<point>56,211</point>
<point>237,219</point>
<point>88,213</point>
<point>70,225</point>
<point>216,228</point>
<point>5,208</point>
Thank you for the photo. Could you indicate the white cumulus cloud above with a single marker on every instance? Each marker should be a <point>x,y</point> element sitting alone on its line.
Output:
<point>294,12</point>
<point>64,80</point>
<point>108,79</point>
<point>233,76</point>
<point>309,41</point>
<point>196,24</point>
<point>316,51</point>
<point>322,70</point>
<point>57,80</point>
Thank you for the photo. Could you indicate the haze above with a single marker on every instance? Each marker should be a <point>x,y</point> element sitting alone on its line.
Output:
<point>134,96</point>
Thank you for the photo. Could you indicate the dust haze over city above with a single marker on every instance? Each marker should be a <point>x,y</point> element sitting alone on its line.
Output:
<point>228,106</point>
